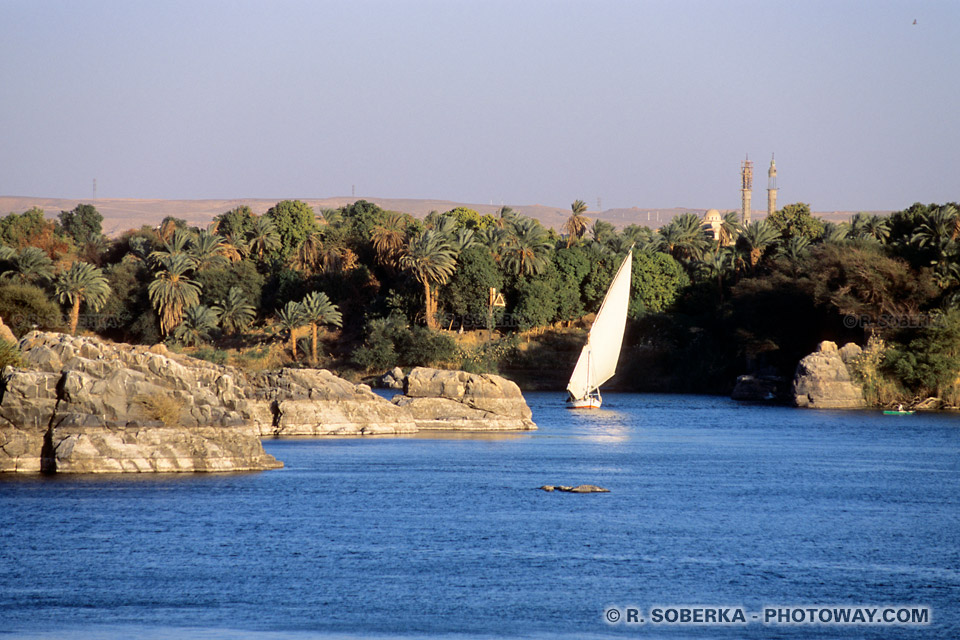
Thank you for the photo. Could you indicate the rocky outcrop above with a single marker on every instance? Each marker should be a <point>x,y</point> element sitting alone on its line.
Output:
<point>392,379</point>
<point>315,402</point>
<point>457,400</point>
<point>98,407</point>
<point>823,380</point>
<point>86,406</point>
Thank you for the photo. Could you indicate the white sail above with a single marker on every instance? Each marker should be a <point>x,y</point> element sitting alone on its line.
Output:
<point>598,360</point>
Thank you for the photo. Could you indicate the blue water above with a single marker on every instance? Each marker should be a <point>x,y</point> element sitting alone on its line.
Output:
<point>711,503</point>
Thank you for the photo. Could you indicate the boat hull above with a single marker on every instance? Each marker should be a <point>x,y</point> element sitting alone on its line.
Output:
<point>585,403</point>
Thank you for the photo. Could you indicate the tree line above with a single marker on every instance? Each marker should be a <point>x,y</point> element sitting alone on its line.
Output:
<point>381,287</point>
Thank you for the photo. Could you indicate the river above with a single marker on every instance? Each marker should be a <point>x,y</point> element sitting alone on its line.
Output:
<point>711,504</point>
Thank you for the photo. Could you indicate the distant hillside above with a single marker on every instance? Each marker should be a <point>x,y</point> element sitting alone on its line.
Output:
<point>121,214</point>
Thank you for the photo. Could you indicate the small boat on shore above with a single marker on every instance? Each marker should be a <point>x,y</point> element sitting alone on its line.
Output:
<point>897,412</point>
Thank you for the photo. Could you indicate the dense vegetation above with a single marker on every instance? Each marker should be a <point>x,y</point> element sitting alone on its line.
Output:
<point>363,289</point>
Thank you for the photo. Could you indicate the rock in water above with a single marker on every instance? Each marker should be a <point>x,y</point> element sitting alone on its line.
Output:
<point>315,402</point>
<point>87,406</point>
<point>823,381</point>
<point>457,400</point>
<point>581,488</point>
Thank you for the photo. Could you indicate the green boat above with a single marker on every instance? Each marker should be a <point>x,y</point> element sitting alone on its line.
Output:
<point>898,413</point>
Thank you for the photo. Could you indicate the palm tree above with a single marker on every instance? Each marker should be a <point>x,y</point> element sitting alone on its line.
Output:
<point>388,238</point>
<point>317,310</point>
<point>429,258</point>
<point>755,238</point>
<point>834,233</point>
<point>463,239</point>
<point>729,228</point>
<point>526,247</point>
<point>82,282</point>
<point>177,244</point>
<point>291,319</point>
<point>307,255</point>
<point>31,265</point>
<point>685,238</point>
<point>207,250</point>
<point>172,291</point>
<point>236,313</point>
<point>795,248</point>
<point>198,322</point>
<point>263,236</point>
<point>576,224</point>
<point>938,230</point>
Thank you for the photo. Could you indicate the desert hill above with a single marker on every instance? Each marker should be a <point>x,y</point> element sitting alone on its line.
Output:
<point>121,214</point>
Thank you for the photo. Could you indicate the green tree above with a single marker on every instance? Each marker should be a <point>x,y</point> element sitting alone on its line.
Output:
<point>755,239</point>
<point>25,307</point>
<point>235,311</point>
<point>235,223</point>
<point>467,291</point>
<point>685,238</point>
<point>430,260</point>
<point>290,318</point>
<point>172,291</point>
<point>318,310</point>
<point>207,250</point>
<point>294,221</point>
<point>576,224</point>
<point>928,362</point>
<point>31,265</point>
<point>536,304</point>
<point>263,237</point>
<point>572,267</point>
<point>83,223</point>
<point>796,220</point>
<point>527,247</point>
<point>82,282</point>
<point>657,280</point>
<point>198,323</point>
<point>465,218</point>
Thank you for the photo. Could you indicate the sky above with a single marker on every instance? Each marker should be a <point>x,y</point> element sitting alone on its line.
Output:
<point>646,104</point>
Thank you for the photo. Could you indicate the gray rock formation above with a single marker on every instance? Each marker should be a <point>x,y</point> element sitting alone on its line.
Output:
<point>823,381</point>
<point>444,400</point>
<point>86,406</point>
<point>314,402</point>
<point>98,407</point>
<point>393,379</point>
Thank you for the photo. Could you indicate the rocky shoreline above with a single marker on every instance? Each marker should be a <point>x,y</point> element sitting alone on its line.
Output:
<point>81,405</point>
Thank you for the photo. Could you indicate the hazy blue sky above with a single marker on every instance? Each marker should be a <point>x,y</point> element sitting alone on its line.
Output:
<point>649,104</point>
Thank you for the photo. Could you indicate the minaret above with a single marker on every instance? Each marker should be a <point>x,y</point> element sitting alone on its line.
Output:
<point>772,188</point>
<point>746,190</point>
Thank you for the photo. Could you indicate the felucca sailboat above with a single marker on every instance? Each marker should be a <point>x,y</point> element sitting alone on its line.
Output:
<point>598,360</point>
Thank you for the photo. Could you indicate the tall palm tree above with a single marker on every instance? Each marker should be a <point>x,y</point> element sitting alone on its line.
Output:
<point>172,291</point>
<point>388,238</point>
<point>207,250</point>
<point>795,248</point>
<point>834,233</point>
<point>462,240</point>
<point>198,322</point>
<point>290,319</point>
<point>317,310</point>
<point>263,236</point>
<point>755,238</point>
<point>178,243</point>
<point>307,255</point>
<point>31,265</point>
<point>526,247</point>
<point>82,282</point>
<point>429,258</point>
<point>576,224</point>
<point>938,230</point>
<point>236,313</point>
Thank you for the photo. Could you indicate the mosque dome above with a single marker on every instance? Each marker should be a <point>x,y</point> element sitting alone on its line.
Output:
<point>712,215</point>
